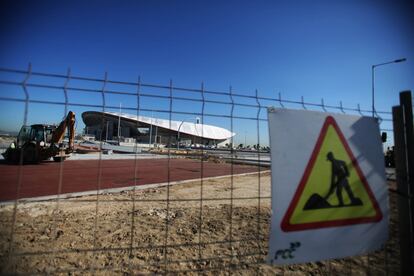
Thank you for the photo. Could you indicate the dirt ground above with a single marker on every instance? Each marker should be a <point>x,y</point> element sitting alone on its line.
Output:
<point>139,232</point>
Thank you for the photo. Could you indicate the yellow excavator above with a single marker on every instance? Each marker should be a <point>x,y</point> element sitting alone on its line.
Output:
<point>40,142</point>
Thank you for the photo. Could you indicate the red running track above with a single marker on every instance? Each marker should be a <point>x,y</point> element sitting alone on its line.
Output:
<point>80,176</point>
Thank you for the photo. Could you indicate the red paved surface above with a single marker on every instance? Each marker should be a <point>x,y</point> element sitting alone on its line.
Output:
<point>79,176</point>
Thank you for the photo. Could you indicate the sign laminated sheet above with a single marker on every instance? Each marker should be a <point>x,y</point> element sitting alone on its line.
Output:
<point>329,191</point>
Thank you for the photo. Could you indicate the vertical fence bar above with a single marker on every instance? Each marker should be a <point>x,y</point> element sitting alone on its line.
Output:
<point>349,264</point>
<point>302,101</point>
<point>135,177</point>
<point>323,105</point>
<point>403,203</point>
<point>26,94</point>
<point>359,110</point>
<point>403,182</point>
<point>280,100</point>
<point>341,107</point>
<point>232,176</point>
<point>169,181</point>
<point>65,93</point>
<point>20,170</point>
<point>60,181</point>
<point>99,180</point>
<point>328,263</point>
<point>200,219</point>
<point>407,103</point>
<point>259,180</point>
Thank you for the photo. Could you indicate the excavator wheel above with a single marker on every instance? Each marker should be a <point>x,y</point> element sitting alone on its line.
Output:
<point>30,155</point>
<point>12,155</point>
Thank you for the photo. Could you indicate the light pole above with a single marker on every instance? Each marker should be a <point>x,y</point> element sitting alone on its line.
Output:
<point>119,124</point>
<point>150,138</point>
<point>106,139</point>
<point>372,71</point>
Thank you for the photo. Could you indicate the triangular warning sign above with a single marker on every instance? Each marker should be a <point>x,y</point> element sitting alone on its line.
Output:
<point>333,191</point>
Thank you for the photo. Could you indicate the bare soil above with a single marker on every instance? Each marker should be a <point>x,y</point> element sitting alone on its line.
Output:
<point>140,232</point>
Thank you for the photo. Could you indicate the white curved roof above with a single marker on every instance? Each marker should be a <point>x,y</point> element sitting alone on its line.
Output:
<point>191,128</point>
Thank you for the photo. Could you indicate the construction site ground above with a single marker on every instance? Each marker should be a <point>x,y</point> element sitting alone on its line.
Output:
<point>126,234</point>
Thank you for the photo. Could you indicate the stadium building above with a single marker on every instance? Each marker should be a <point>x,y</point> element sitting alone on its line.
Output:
<point>147,130</point>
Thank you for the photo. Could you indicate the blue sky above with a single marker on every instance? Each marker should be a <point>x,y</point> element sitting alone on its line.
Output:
<point>314,49</point>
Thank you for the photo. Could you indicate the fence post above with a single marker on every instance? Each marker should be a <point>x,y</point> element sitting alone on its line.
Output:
<point>404,157</point>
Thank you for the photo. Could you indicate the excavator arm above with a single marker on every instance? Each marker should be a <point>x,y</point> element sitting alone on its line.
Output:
<point>59,133</point>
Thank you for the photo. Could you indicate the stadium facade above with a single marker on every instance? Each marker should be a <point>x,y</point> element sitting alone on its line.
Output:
<point>112,125</point>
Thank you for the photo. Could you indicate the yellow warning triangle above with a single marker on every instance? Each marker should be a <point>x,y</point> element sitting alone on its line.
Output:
<point>333,191</point>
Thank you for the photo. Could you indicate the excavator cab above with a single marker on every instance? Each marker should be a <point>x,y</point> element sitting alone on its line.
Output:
<point>24,135</point>
<point>35,133</point>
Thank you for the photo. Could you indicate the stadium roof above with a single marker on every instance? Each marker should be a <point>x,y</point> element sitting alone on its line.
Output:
<point>190,128</point>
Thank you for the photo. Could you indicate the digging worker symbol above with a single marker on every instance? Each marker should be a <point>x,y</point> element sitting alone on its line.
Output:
<point>339,181</point>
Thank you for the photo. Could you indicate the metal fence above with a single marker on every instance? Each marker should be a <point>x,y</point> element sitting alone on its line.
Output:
<point>209,225</point>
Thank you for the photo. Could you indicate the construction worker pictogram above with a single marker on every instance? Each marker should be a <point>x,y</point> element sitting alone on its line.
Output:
<point>332,170</point>
<point>339,181</point>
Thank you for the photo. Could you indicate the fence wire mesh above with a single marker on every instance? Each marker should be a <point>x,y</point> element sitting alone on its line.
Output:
<point>109,214</point>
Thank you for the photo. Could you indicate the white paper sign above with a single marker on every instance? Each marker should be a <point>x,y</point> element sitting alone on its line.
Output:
<point>329,191</point>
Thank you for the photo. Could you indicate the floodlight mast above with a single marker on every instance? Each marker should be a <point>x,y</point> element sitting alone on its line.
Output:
<point>373,77</point>
<point>119,123</point>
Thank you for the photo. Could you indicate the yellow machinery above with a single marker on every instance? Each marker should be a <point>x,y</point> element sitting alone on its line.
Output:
<point>40,142</point>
